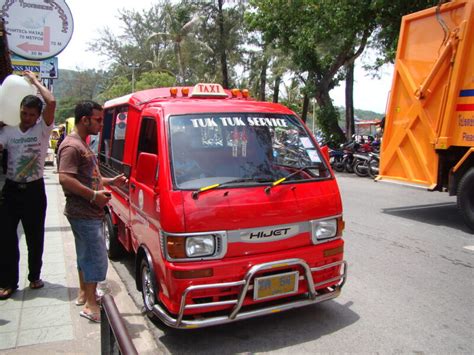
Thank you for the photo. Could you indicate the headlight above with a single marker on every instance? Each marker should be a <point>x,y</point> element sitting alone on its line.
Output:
<point>324,229</point>
<point>200,246</point>
<point>193,246</point>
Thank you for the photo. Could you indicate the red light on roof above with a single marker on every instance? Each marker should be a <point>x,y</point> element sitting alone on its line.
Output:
<point>185,91</point>
<point>245,93</point>
<point>173,92</point>
<point>235,92</point>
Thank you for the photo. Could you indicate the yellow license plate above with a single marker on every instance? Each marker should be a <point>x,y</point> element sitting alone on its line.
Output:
<point>275,285</point>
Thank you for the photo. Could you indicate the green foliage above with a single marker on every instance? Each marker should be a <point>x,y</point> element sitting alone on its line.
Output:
<point>65,109</point>
<point>155,80</point>
<point>320,38</point>
<point>327,116</point>
<point>73,86</point>
<point>300,46</point>
<point>120,86</point>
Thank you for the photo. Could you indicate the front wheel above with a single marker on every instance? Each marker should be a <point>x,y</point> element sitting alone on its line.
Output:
<point>360,168</point>
<point>114,248</point>
<point>148,288</point>
<point>465,199</point>
<point>348,165</point>
<point>338,165</point>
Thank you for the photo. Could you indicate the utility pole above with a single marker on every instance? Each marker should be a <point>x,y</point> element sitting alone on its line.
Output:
<point>133,66</point>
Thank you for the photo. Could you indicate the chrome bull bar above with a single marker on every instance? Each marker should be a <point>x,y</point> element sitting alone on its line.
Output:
<point>236,314</point>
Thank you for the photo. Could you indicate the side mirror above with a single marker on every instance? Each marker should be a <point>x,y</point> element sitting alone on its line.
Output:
<point>147,168</point>
<point>325,151</point>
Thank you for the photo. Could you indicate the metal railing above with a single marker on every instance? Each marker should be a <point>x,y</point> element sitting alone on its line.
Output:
<point>114,336</point>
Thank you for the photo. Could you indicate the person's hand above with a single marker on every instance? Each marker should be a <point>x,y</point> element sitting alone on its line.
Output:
<point>31,76</point>
<point>102,198</point>
<point>119,180</point>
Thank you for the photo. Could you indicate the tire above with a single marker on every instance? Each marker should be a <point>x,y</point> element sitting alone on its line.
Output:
<point>115,249</point>
<point>465,198</point>
<point>348,165</point>
<point>148,288</point>
<point>373,168</point>
<point>338,166</point>
<point>360,168</point>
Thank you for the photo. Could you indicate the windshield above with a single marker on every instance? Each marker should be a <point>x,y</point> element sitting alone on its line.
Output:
<point>241,149</point>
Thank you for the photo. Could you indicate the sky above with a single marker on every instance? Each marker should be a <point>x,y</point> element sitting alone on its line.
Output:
<point>90,16</point>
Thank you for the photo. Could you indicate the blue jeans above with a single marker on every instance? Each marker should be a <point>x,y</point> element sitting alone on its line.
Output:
<point>90,248</point>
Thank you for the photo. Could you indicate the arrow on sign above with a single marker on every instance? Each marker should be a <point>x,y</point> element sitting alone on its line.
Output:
<point>26,46</point>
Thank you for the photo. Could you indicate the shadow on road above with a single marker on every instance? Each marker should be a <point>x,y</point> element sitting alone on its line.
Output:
<point>261,334</point>
<point>438,214</point>
<point>264,334</point>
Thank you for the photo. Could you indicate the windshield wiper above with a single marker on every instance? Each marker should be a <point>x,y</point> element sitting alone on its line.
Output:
<point>196,193</point>
<point>279,181</point>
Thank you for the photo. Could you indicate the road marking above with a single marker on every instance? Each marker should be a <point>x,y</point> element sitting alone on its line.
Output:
<point>469,247</point>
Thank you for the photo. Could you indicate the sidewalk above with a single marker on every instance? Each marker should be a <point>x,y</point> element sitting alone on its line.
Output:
<point>47,320</point>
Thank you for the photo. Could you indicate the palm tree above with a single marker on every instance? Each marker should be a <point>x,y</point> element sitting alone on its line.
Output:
<point>181,35</point>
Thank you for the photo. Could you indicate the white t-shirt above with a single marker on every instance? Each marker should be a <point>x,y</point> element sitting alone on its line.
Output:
<point>26,150</point>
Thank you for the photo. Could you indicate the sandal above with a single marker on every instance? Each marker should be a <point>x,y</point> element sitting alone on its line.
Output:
<point>36,284</point>
<point>6,293</point>
<point>93,317</point>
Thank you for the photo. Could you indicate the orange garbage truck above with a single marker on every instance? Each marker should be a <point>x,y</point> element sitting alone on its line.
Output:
<point>429,129</point>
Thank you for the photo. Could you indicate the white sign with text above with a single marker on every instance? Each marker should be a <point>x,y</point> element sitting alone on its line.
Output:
<point>37,29</point>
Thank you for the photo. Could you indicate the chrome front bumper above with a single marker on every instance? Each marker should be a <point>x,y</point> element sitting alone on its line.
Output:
<point>245,284</point>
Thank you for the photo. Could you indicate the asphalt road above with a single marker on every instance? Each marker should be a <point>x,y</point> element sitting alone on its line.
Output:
<point>410,287</point>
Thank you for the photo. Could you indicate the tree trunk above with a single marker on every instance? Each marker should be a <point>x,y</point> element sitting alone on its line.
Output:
<point>179,58</point>
<point>223,55</point>
<point>350,127</point>
<point>276,88</point>
<point>263,79</point>
<point>304,114</point>
<point>328,117</point>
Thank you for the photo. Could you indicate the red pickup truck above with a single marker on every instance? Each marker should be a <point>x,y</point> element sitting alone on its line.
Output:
<point>231,210</point>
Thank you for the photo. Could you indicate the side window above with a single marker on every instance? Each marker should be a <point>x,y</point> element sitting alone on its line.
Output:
<point>120,127</point>
<point>148,137</point>
<point>112,141</point>
<point>106,138</point>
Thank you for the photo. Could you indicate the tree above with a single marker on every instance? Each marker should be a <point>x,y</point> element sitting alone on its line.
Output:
<point>320,38</point>
<point>150,80</point>
<point>222,31</point>
<point>182,24</point>
<point>73,86</point>
<point>386,17</point>
<point>128,46</point>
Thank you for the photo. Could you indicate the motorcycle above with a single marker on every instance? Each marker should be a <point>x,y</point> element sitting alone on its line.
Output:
<point>374,165</point>
<point>361,164</point>
<point>348,160</point>
<point>366,164</point>
<point>336,158</point>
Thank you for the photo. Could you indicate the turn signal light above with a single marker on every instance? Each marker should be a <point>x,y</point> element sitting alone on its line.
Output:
<point>333,251</point>
<point>176,247</point>
<point>340,226</point>
<point>192,274</point>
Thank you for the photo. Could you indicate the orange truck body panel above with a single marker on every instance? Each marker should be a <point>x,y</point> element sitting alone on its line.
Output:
<point>431,107</point>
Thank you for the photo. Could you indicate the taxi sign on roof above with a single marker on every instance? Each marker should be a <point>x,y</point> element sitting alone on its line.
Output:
<point>202,89</point>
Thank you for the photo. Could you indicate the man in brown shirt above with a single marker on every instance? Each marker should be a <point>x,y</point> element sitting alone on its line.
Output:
<point>86,197</point>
